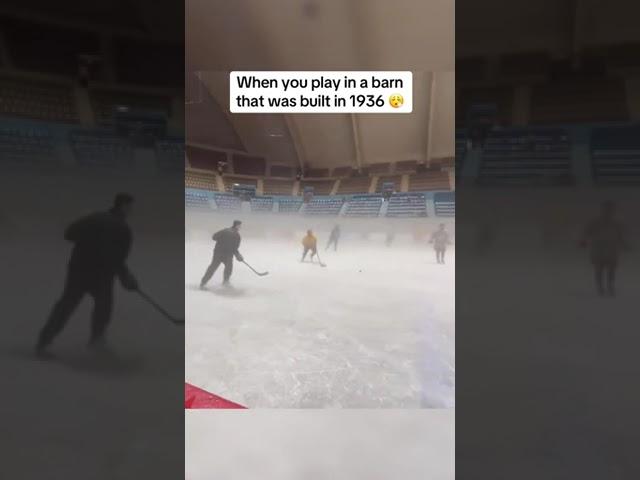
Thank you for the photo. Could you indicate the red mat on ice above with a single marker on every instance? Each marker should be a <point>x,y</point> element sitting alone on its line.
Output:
<point>195,397</point>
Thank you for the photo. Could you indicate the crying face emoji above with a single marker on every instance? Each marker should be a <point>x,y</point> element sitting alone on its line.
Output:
<point>396,100</point>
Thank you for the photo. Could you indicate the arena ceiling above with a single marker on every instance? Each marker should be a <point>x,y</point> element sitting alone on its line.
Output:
<point>560,27</point>
<point>412,35</point>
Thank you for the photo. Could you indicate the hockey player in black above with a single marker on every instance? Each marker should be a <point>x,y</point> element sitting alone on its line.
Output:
<point>334,236</point>
<point>227,244</point>
<point>605,237</point>
<point>102,242</point>
<point>440,240</point>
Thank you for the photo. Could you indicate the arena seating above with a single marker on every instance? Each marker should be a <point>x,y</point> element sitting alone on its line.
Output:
<point>349,186</point>
<point>380,168</point>
<point>196,199</point>
<point>48,101</point>
<point>341,172</point>
<point>396,179</point>
<point>327,206</point>
<point>272,186</point>
<point>526,156</point>
<point>262,204</point>
<point>289,204</point>
<point>227,202</point>
<point>170,154</point>
<point>282,171</point>
<point>427,181</point>
<point>407,205</point>
<point>104,102</point>
<point>229,181</point>
<point>615,155</point>
<point>579,102</point>
<point>320,187</point>
<point>406,166</point>
<point>364,206</point>
<point>196,179</point>
<point>445,204</point>
<point>101,148</point>
<point>25,146</point>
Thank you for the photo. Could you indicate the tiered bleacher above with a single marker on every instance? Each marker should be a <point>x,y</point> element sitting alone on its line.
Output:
<point>364,206</point>
<point>101,148</point>
<point>170,154</point>
<point>48,101</point>
<point>407,205</point>
<point>615,155</point>
<point>320,187</point>
<point>445,204</point>
<point>406,166</point>
<point>105,102</point>
<point>227,202</point>
<point>230,181</point>
<point>349,186</point>
<point>273,186</point>
<point>202,180</point>
<point>196,199</point>
<point>262,204</point>
<point>289,205</point>
<point>429,181</point>
<point>526,156</point>
<point>326,206</point>
<point>22,146</point>
<point>395,179</point>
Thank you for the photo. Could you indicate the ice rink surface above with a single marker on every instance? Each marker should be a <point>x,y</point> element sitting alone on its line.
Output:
<point>320,445</point>
<point>375,328</point>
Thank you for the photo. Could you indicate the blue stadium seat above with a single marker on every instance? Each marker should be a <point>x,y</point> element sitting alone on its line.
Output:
<point>289,204</point>
<point>407,205</point>
<point>196,199</point>
<point>445,204</point>
<point>364,206</point>
<point>526,157</point>
<point>324,206</point>
<point>615,155</point>
<point>262,204</point>
<point>227,202</point>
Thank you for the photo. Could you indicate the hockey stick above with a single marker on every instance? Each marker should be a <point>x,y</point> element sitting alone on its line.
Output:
<point>319,261</point>
<point>171,318</point>
<point>260,274</point>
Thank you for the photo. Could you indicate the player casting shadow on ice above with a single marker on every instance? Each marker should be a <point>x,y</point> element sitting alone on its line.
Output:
<point>102,242</point>
<point>227,244</point>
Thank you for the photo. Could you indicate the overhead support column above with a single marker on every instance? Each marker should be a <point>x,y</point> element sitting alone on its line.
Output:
<point>432,96</point>
<point>297,142</point>
<point>355,131</point>
<point>578,18</point>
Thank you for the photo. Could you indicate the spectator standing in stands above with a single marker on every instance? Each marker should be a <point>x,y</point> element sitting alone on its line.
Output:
<point>227,244</point>
<point>606,237</point>
<point>309,243</point>
<point>440,240</point>
<point>102,242</point>
<point>334,236</point>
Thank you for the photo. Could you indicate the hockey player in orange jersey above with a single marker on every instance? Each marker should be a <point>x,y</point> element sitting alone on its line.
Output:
<point>310,243</point>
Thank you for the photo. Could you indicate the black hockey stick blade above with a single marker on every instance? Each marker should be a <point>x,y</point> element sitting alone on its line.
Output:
<point>260,274</point>
<point>167,315</point>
